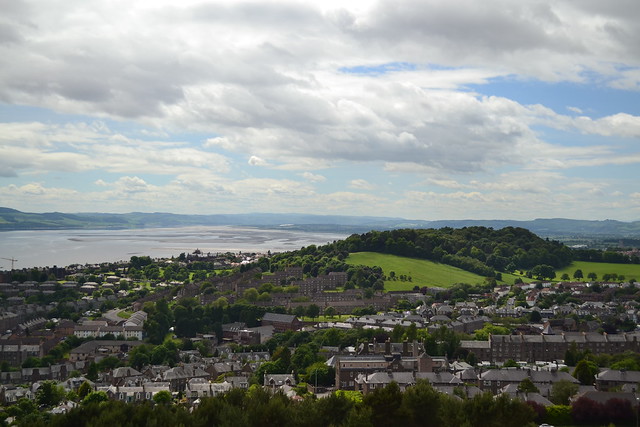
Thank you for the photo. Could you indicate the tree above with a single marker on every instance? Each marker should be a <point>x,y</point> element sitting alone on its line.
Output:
<point>565,276</point>
<point>49,393</point>
<point>163,397</point>
<point>385,403</point>
<point>510,364</point>
<point>282,355</point>
<point>95,397</point>
<point>585,372</point>
<point>592,276</point>
<point>411,333</point>
<point>139,359</point>
<point>535,316</point>
<point>543,271</point>
<point>84,390</point>
<point>321,374</point>
<point>572,356</point>
<point>250,294</point>
<point>221,302</point>
<point>313,311</point>
<point>562,390</point>
<point>578,274</point>
<point>330,312</point>
<point>527,386</point>
<point>92,372</point>
<point>422,399</point>
<point>300,311</point>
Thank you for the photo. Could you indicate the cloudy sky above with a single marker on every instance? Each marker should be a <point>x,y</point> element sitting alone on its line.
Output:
<point>426,109</point>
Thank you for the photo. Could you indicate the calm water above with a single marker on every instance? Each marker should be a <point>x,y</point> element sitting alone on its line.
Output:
<point>65,247</point>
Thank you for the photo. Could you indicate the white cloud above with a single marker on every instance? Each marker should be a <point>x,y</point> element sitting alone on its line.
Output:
<point>37,148</point>
<point>313,177</point>
<point>302,86</point>
<point>256,161</point>
<point>361,184</point>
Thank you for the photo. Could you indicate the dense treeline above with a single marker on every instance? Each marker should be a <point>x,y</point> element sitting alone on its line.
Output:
<point>610,255</point>
<point>419,405</point>
<point>506,249</point>
<point>188,317</point>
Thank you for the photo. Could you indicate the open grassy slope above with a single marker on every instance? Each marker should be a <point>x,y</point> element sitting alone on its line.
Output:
<point>630,271</point>
<point>422,272</point>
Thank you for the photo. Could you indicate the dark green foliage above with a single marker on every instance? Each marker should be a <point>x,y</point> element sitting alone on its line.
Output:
<point>500,248</point>
<point>84,390</point>
<point>420,405</point>
<point>385,404</point>
<point>527,386</point>
<point>559,415</point>
<point>162,397</point>
<point>49,393</point>
<point>561,391</point>
<point>585,372</point>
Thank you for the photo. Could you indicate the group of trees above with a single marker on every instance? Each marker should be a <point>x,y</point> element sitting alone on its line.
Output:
<point>609,255</point>
<point>419,405</point>
<point>189,317</point>
<point>507,249</point>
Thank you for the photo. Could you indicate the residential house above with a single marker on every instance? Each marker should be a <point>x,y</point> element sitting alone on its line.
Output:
<point>281,322</point>
<point>615,380</point>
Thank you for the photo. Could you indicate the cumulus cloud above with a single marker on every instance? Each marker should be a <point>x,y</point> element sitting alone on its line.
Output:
<point>301,86</point>
<point>278,95</point>
<point>39,148</point>
<point>313,177</point>
<point>257,161</point>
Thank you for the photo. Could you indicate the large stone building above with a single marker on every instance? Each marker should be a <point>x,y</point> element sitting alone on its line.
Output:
<point>281,322</point>
<point>353,372</point>
<point>548,348</point>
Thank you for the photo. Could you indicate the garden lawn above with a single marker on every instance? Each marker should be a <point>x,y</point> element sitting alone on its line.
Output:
<point>630,271</point>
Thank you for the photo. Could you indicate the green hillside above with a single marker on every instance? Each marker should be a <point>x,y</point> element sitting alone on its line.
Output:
<point>422,272</point>
<point>630,271</point>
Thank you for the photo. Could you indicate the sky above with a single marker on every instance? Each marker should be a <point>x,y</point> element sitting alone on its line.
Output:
<point>416,109</point>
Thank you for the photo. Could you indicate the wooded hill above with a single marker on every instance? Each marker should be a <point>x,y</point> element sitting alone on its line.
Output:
<point>480,250</point>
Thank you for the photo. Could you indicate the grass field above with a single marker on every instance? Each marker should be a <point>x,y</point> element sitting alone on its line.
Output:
<point>422,272</point>
<point>630,271</point>
<point>124,314</point>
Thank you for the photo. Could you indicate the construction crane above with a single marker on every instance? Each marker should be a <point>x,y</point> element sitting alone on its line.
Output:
<point>12,261</point>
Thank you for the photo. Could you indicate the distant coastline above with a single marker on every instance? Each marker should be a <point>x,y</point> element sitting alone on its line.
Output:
<point>38,248</point>
<point>14,220</point>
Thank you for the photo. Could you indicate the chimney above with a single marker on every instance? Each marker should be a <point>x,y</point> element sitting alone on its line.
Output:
<point>387,346</point>
<point>405,348</point>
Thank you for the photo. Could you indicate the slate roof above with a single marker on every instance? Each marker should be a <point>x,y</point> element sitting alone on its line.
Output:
<point>439,378</point>
<point>619,376</point>
<point>276,317</point>
<point>279,379</point>
<point>387,377</point>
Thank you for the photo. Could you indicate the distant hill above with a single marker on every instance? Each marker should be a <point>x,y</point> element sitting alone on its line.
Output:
<point>11,219</point>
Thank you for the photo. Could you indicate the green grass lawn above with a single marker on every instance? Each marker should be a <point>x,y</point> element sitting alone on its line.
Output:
<point>630,271</point>
<point>422,272</point>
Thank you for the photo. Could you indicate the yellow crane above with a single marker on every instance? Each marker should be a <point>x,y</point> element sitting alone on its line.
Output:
<point>12,261</point>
